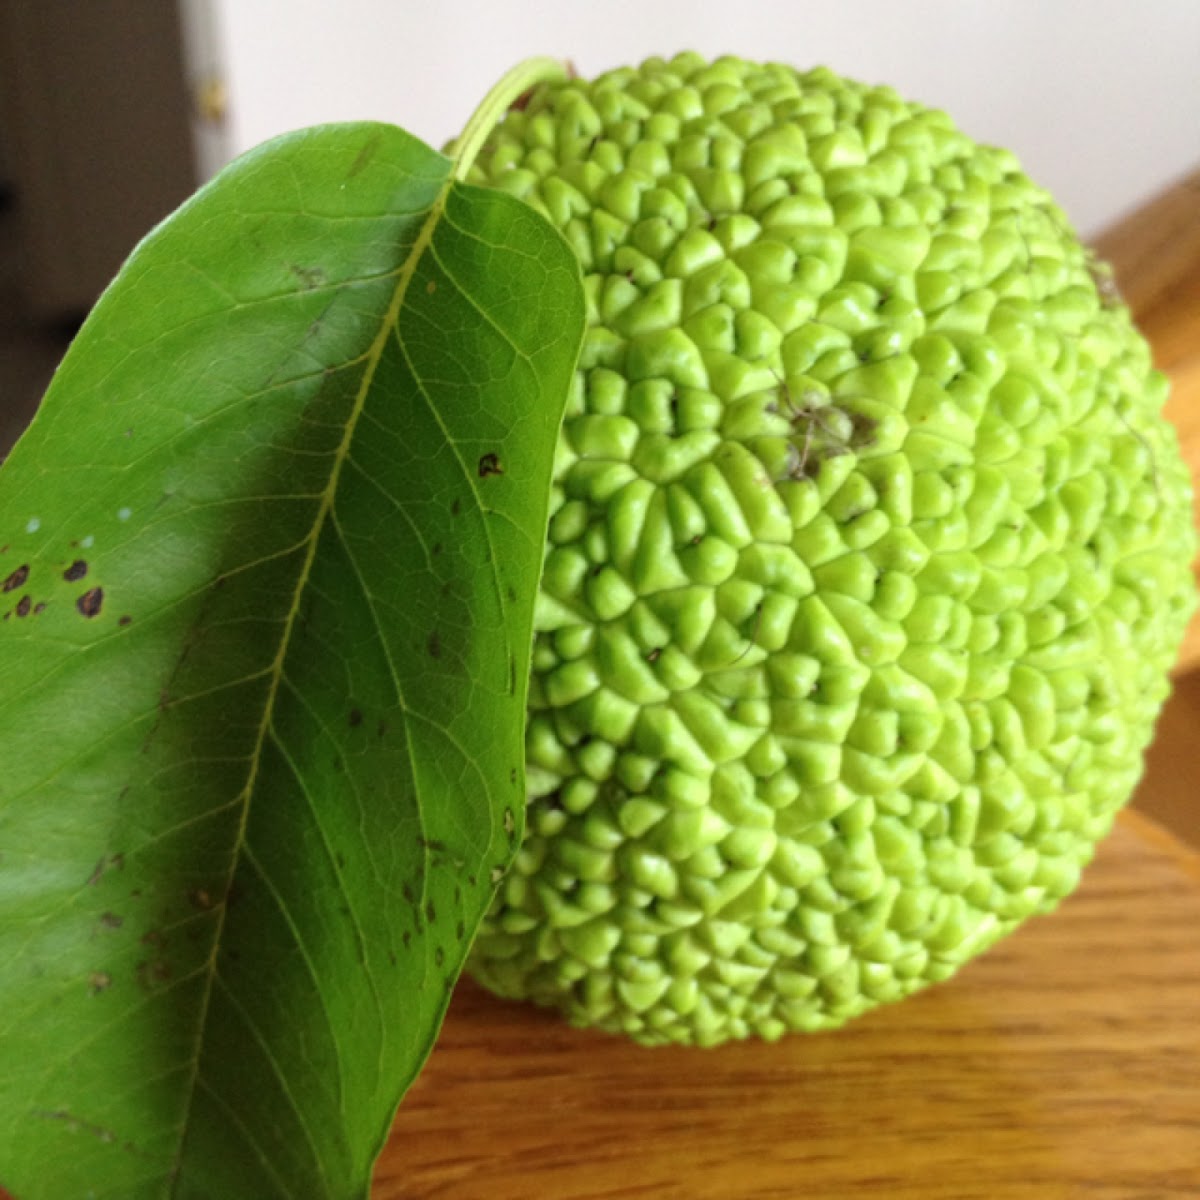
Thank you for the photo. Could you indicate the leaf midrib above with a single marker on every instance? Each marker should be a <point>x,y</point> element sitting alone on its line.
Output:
<point>373,356</point>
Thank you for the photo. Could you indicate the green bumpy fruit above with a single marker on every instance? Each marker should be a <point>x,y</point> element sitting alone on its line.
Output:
<point>868,556</point>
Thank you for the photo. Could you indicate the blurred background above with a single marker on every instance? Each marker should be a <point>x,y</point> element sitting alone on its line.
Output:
<point>112,111</point>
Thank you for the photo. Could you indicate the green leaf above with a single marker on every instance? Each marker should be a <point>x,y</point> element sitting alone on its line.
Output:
<point>270,551</point>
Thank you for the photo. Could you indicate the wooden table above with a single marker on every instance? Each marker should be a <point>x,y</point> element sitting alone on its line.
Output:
<point>1065,1063</point>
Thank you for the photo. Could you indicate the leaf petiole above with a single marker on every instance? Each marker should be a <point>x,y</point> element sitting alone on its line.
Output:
<point>496,103</point>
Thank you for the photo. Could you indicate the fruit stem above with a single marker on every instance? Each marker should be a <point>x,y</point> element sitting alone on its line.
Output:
<point>497,102</point>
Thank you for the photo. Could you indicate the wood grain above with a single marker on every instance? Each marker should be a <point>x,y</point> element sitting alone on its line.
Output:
<point>1065,1063</point>
<point>1170,789</point>
<point>1155,253</point>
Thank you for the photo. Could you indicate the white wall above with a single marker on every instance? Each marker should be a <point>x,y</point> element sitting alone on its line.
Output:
<point>1099,98</point>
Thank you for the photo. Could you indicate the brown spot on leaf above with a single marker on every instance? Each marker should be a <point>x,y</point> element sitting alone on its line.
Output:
<point>431,287</point>
<point>489,464</point>
<point>434,644</point>
<point>430,912</point>
<point>16,579</point>
<point>356,717</point>
<point>24,605</point>
<point>89,603</point>
<point>460,931</point>
<point>455,507</point>
<point>151,975</point>
<point>153,937</point>
<point>99,981</point>
<point>364,156</point>
<point>310,278</point>
<point>200,898</point>
<point>125,620</point>
<point>39,608</point>
<point>77,570</point>
<point>113,862</point>
<point>439,956</point>
<point>111,920</point>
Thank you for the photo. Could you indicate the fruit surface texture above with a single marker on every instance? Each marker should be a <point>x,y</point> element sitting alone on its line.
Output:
<point>868,557</point>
